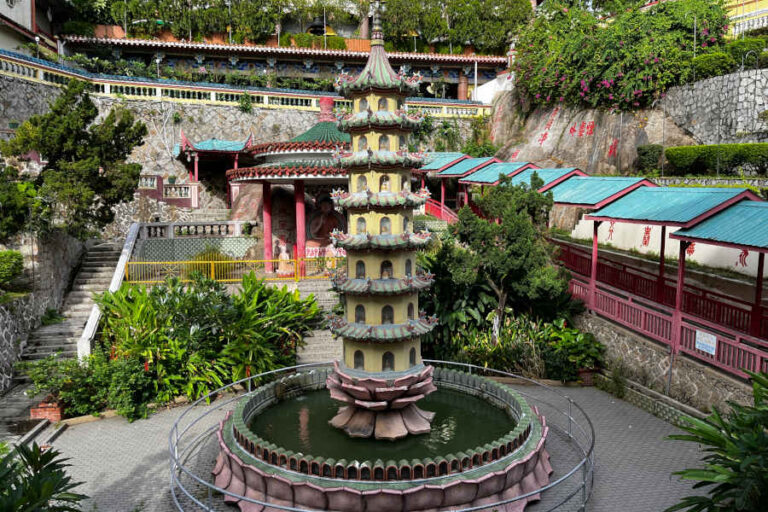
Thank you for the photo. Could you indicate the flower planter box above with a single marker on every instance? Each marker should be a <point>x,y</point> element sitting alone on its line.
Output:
<point>586,376</point>
<point>50,411</point>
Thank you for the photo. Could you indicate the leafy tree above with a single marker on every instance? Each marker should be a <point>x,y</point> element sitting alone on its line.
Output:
<point>86,173</point>
<point>509,253</point>
<point>18,199</point>
<point>33,479</point>
<point>735,472</point>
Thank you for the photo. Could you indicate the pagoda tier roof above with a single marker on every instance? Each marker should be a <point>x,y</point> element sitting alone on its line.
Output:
<point>377,75</point>
<point>263,50</point>
<point>303,168</point>
<point>381,159</point>
<point>325,146</point>
<point>386,333</point>
<point>368,199</point>
<point>384,242</point>
<point>382,286</point>
<point>382,119</point>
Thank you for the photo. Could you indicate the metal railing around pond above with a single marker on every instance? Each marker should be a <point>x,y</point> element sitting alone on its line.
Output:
<point>232,271</point>
<point>571,443</point>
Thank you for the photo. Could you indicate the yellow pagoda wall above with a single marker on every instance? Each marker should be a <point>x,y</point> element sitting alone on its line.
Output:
<point>374,304</point>
<point>373,222</point>
<point>373,263</point>
<point>373,352</point>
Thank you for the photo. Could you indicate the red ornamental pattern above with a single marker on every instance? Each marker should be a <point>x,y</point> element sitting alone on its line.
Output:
<point>742,262</point>
<point>691,249</point>
<point>647,235</point>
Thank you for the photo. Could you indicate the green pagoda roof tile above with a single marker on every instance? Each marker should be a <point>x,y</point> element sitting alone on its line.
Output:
<point>380,119</point>
<point>381,158</point>
<point>593,190</point>
<point>669,205</point>
<point>744,224</point>
<point>382,286</point>
<point>382,333</point>
<point>377,75</point>
<point>324,131</point>
<point>384,242</point>
<point>369,199</point>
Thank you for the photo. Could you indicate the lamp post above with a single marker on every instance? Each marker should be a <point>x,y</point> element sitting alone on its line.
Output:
<point>663,129</point>
<point>229,25</point>
<point>37,46</point>
<point>157,64</point>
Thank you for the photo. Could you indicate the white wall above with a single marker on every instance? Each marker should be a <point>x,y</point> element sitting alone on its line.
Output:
<point>485,92</point>
<point>630,236</point>
<point>21,12</point>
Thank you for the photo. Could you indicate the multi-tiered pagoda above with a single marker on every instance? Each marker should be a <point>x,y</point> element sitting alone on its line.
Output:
<point>381,376</point>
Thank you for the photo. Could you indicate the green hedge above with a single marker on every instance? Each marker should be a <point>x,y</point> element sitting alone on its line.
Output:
<point>648,156</point>
<point>11,266</point>
<point>730,157</point>
<point>713,64</point>
<point>741,48</point>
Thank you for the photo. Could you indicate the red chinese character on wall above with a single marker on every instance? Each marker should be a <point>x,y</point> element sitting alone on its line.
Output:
<point>590,128</point>
<point>514,155</point>
<point>691,249</point>
<point>742,258</point>
<point>610,230</point>
<point>612,149</point>
<point>582,126</point>
<point>647,235</point>
<point>572,131</point>
<point>543,138</point>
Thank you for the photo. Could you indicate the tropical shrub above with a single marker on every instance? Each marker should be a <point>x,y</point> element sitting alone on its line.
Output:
<point>35,479</point>
<point>728,158</point>
<point>18,197</point>
<point>648,156</point>
<point>735,472</point>
<point>245,103</point>
<point>570,55</point>
<point>78,28</point>
<point>748,49</point>
<point>11,267</point>
<point>712,64</point>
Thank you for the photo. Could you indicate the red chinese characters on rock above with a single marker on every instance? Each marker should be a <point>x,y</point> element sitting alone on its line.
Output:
<point>583,129</point>
<point>691,249</point>
<point>614,146</point>
<point>543,138</point>
<point>647,236</point>
<point>514,155</point>
<point>552,118</point>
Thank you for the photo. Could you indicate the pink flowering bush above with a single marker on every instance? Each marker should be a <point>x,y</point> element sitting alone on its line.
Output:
<point>628,62</point>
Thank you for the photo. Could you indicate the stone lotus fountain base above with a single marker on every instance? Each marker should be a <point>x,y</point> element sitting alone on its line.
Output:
<point>507,467</point>
<point>384,408</point>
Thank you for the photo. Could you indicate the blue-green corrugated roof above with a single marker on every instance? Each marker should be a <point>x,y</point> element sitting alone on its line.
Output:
<point>667,204</point>
<point>463,167</point>
<point>745,223</point>
<point>523,177</point>
<point>215,144</point>
<point>490,173</point>
<point>438,159</point>
<point>590,190</point>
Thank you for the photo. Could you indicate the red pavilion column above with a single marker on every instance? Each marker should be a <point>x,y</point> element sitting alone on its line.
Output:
<point>662,257</point>
<point>463,92</point>
<point>266,197</point>
<point>301,230</point>
<point>197,158</point>
<point>757,306</point>
<point>677,316</point>
<point>442,195</point>
<point>593,270</point>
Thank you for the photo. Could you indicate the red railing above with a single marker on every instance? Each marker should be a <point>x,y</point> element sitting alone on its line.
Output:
<point>734,352</point>
<point>435,209</point>
<point>720,309</point>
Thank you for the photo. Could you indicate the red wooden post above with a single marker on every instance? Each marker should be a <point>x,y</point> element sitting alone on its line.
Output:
<point>237,157</point>
<point>423,185</point>
<point>301,234</point>
<point>757,306</point>
<point>677,317</point>
<point>593,269</point>
<point>660,283</point>
<point>266,197</point>
<point>196,160</point>
<point>442,193</point>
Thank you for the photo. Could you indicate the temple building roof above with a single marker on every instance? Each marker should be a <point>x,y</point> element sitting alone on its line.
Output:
<point>211,145</point>
<point>303,168</point>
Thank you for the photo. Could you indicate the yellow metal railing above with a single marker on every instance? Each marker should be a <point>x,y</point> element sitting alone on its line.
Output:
<point>232,271</point>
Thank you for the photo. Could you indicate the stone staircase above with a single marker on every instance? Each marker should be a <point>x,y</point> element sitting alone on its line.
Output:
<point>94,276</point>
<point>209,215</point>
<point>320,345</point>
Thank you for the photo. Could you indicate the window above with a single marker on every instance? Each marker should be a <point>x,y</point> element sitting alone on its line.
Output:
<point>385,226</point>
<point>360,270</point>
<point>384,143</point>
<point>359,360</point>
<point>410,311</point>
<point>387,315</point>
<point>362,183</point>
<point>362,143</point>
<point>363,104</point>
<point>405,183</point>
<point>359,314</point>
<point>383,104</point>
<point>408,267</point>
<point>388,362</point>
<point>403,142</point>
<point>386,269</point>
<point>384,184</point>
<point>405,224</point>
<point>411,357</point>
<point>361,225</point>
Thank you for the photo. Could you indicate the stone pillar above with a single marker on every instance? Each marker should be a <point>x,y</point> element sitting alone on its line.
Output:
<point>365,31</point>
<point>463,93</point>
<point>301,230</point>
<point>266,198</point>
<point>757,306</point>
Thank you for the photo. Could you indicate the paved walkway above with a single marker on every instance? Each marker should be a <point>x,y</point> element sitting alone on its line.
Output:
<point>125,465</point>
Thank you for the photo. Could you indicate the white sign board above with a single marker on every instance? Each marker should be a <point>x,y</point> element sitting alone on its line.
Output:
<point>706,342</point>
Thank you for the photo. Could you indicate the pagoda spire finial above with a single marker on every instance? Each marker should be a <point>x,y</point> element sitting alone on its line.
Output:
<point>377,38</point>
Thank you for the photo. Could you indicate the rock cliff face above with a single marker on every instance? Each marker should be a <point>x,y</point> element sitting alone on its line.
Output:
<point>596,141</point>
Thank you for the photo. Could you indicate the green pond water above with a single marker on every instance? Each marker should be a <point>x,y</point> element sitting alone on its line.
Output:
<point>461,422</point>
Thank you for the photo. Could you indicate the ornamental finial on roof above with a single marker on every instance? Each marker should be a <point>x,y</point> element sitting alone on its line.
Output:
<point>377,36</point>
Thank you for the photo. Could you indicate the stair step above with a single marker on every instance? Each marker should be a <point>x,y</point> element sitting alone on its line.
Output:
<point>36,356</point>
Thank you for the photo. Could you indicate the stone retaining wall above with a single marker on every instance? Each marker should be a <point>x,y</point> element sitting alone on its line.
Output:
<point>647,362</point>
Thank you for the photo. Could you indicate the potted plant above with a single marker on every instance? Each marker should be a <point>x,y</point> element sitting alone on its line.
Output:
<point>581,348</point>
<point>171,180</point>
<point>47,377</point>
